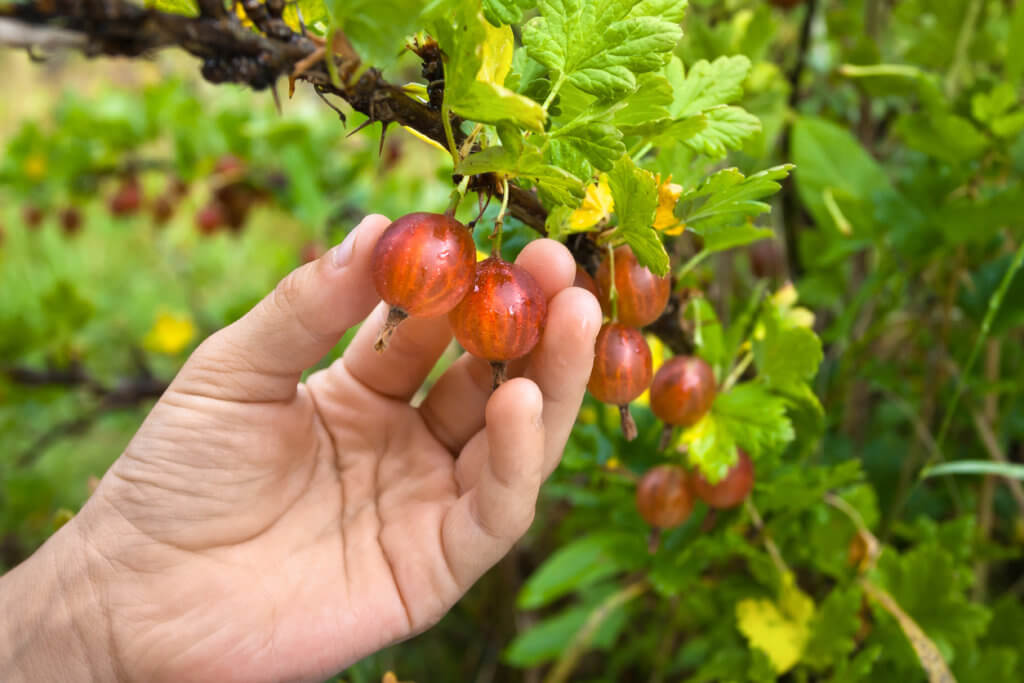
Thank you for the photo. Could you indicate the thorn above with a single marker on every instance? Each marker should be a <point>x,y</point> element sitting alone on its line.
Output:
<point>319,90</point>
<point>383,132</point>
<point>364,124</point>
<point>277,99</point>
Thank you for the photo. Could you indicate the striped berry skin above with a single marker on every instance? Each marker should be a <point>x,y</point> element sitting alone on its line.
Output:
<point>642,295</point>
<point>424,264</point>
<point>732,490</point>
<point>503,315</point>
<point>683,390</point>
<point>584,281</point>
<point>663,496</point>
<point>622,365</point>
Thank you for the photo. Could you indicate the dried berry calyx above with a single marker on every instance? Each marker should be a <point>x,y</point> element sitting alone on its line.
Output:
<point>733,488</point>
<point>423,265</point>
<point>622,370</point>
<point>683,390</point>
<point>641,295</point>
<point>502,317</point>
<point>663,496</point>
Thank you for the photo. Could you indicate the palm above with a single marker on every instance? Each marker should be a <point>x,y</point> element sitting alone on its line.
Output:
<point>301,532</point>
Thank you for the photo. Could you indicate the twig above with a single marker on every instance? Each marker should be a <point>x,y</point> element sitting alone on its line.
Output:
<point>963,43</point>
<point>125,394</point>
<point>995,451</point>
<point>581,641</point>
<point>769,544</point>
<point>790,202</point>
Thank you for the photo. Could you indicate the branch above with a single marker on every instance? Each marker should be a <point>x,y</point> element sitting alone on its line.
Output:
<point>125,394</point>
<point>233,53</point>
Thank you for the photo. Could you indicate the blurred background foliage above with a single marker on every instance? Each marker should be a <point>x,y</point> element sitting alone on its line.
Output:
<point>900,225</point>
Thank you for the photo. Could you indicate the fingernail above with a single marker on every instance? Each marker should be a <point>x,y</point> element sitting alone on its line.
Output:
<point>342,254</point>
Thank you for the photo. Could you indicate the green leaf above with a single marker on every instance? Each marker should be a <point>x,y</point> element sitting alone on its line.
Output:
<point>986,107</point>
<point>580,564</point>
<point>500,12</point>
<point>1001,469</point>
<point>188,8</point>
<point>563,187</point>
<point>724,128</point>
<point>931,588</point>
<point>747,416</point>
<point>858,668</point>
<point>708,85</point>
<point>728,199</point>
<point>548,638</point>
<point>600,47</point>
<point>707,332</point>
<point>829,158</point>
<point>722,237</point>
<point>945,136</point>
<point>1015,55</point>
<point>645,112</point>
<point>833,629</point>
<point>787,354</point>
<point>479,58</point>
<point>1008,126</point>
<point>635,192</point>
<point>797,488</point>
<point>377,28</point>
<point>597,140</point>
<point>312,12</point>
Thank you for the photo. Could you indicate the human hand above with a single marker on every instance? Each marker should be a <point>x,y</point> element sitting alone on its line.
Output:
<point>261,529</point>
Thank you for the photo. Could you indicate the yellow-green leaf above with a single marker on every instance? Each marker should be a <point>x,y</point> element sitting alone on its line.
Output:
<point>779,628</point>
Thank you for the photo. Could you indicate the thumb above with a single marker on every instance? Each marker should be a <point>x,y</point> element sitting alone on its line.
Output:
<point>261,356</point>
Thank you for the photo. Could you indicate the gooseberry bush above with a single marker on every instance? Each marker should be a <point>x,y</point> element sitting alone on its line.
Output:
<point>704,524</point>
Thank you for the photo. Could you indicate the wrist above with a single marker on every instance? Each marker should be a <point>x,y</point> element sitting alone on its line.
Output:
<point>55,627</point>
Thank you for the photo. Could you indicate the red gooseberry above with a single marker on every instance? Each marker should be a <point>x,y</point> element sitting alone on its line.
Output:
<point>127,199</point>
<point>732,490</point>
<point>502,317</point>
<point>663,496</point>
<point>33,216</point>
<point>70,220</point>
<point>767,259</point>
<point>641,295</point>
<point>683,390</point>
<point>622,370</point>
<point>584,281</point>
<point>210,218</point>
<point>423,265</point>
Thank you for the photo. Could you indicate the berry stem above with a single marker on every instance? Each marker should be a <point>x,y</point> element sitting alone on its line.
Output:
<point>737,372</point>
<point>395,316</point>
<point>654,540</point>
<point>499,222</point>
<point>457,195</point>
<point>499,370</point>
<point>629,429</point>
<point>613,293</point>
<point>446,120</point>
<point>666,437</point>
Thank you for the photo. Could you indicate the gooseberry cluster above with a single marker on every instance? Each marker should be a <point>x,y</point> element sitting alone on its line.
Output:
<point>681,392</point>
<point>424,265</point>
<point>632,296</point>
<point>234,192</point>
<point>666,493</point>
